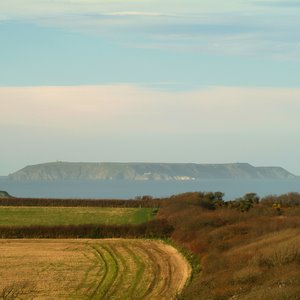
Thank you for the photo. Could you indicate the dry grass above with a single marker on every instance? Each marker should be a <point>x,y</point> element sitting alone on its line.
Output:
<point>266,268</point>
<point>90,269</point>
<point>243,255</point>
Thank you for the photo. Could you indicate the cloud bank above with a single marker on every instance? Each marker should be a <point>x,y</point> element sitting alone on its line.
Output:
<point>116,109</point>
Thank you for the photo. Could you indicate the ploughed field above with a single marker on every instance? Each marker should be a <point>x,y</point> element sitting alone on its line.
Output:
<point>26,216</point>
<point>91,269</point>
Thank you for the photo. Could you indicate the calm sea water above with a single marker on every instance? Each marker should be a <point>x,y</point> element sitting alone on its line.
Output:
<point>131,189</point>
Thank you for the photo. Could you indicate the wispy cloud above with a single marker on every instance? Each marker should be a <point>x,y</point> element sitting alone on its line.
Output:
<point>140,14</point>
<point>279,4</point>
<point>237,28</point>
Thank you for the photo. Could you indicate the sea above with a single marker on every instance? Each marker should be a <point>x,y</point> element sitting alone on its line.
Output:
<point>123,189</point>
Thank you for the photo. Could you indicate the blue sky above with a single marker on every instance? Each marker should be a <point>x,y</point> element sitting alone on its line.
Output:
<point>235,60</point>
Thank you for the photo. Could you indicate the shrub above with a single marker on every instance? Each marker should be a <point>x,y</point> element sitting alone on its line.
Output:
<point>211,200</point>
<point>285,200</point>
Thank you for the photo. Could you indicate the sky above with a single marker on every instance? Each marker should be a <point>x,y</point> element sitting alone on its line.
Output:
<point>151,81</point>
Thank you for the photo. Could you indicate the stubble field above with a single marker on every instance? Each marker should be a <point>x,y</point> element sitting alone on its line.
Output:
<point>91,269</point>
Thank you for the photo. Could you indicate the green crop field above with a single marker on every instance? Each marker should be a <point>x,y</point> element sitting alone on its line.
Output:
<point>25,216</point>
<point>91,269</point>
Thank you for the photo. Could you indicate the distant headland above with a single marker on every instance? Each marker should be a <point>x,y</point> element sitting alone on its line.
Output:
<point>57,171</point>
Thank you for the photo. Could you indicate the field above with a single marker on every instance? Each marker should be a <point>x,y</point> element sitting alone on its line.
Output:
<point>91,269</point>
<point>25,216</point>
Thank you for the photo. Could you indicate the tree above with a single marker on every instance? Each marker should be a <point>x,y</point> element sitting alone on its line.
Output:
<point>251,197</point>
<point>211,200</point>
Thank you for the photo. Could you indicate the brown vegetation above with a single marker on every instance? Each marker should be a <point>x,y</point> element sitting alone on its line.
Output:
<point>248,248</point>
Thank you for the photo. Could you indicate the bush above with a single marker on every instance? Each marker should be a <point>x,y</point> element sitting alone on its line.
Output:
<point>245,203</point>
<point>285,200</point>
<point>211,200</point>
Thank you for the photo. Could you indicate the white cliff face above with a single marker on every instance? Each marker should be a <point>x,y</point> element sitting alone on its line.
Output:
<point>146,171</point>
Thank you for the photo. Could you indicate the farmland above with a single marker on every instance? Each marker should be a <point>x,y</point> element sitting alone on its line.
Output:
<point>91,269</point>
<point>247,248</point>
<point>48,216</point>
